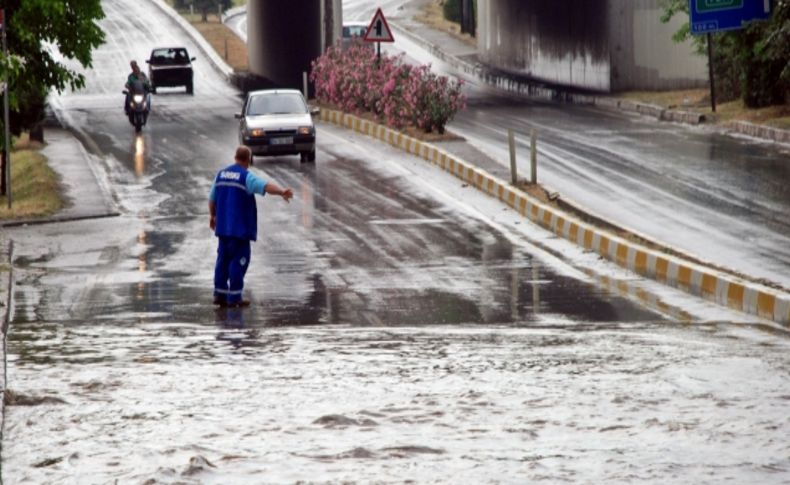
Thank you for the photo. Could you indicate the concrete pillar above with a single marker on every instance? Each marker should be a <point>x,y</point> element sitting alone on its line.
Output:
<point>283,38</point>
<point>332,25</point>
<point>468,20</point>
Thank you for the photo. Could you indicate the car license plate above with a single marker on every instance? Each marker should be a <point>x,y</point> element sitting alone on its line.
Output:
<point>283,141</point>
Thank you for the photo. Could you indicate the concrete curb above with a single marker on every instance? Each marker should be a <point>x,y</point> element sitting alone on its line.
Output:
<point>697,280</point>
<point>220,65</point>
<point>760,131</point>
<point>506,83</point>
<point>6,286</point>
<point>58,219</point>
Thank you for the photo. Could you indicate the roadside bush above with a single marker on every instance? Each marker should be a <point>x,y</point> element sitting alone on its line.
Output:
<point>396,93</point>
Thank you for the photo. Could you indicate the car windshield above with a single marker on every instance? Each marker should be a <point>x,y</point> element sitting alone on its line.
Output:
<point>276,104</point>
<point>169,56</point>
<point>354,31</point>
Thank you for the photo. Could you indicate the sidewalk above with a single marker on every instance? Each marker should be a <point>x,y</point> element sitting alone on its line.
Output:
<point>87,193</point>
<point>6,281</point>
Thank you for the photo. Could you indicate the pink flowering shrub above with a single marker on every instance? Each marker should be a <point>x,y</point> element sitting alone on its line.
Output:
<point>396,93</point>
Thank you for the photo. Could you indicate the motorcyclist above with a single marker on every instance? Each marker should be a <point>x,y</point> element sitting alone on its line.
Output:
<point>133,81</point>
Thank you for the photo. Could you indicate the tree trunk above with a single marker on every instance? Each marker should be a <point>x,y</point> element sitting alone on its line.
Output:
<point>2,173</point>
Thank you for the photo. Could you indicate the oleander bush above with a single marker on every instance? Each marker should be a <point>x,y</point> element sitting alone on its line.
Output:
<point>397,94</point>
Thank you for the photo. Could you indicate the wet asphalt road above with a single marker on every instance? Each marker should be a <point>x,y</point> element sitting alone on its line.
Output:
<point>723,199</point>
<point>403,327</point>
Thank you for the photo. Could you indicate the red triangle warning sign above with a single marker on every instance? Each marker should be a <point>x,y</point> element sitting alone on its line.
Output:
<point>379,30</point>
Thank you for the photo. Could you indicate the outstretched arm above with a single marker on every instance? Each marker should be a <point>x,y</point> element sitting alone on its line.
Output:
<point>256,185</point>
<point>274,189</point>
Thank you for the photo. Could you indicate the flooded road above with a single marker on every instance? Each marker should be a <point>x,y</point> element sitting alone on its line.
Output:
<point>237,401</point>
<point>403,327</point>
<point>414,330</point>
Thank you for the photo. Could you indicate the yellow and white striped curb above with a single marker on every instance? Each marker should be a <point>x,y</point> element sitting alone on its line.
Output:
<point>701,281</point>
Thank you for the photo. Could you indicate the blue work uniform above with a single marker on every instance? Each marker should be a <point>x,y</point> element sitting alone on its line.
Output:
<point>233,195</point>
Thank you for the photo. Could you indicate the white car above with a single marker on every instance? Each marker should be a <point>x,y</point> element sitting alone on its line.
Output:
<point>354,31</point>
<point>278,122</point>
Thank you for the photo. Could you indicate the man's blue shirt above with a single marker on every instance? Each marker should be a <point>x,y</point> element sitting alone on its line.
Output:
<point>255,185</point>
<point>233,196</point>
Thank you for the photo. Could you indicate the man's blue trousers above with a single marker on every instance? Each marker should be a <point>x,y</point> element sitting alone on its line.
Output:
<point>233,258</point>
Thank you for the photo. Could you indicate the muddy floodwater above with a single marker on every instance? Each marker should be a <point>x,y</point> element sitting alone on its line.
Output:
<point>237,402</point>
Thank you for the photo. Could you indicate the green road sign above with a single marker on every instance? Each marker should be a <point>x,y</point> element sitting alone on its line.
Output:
<point>716,5</point>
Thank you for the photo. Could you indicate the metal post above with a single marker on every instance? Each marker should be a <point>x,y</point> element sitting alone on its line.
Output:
<point>191,9</point>
<point>226,49</point>
<point>511,140</point>
<point>710,74</point>
<point>7,141</point>
<point>533,157</point>
<point>219,12</point>
<point>304,85</point>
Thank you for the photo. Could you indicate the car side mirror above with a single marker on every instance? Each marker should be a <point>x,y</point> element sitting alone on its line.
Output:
<point>237,116</point>
<point>315,111</point>
<point>147,61</point>
<point>193,58</point>
<point>125,92</point>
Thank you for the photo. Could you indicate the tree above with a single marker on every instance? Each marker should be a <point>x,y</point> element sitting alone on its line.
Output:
<point>751,63</point>
<point>35,29</point>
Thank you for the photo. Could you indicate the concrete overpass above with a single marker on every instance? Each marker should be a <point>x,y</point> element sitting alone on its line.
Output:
<point>600,45</point>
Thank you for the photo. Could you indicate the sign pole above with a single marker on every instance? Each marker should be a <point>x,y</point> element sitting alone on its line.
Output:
<point>710,74</point>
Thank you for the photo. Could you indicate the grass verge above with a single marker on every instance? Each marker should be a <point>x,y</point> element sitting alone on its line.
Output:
<point>224,41</point>
<point>698,100</point>
<point>432,15</point>
<point>35,188</point>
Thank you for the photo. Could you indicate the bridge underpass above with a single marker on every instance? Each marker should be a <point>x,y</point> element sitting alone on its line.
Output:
<point>599,45</point>
<point>284,37</point>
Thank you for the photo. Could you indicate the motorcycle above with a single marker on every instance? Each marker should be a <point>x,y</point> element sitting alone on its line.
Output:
<point>138,105</point>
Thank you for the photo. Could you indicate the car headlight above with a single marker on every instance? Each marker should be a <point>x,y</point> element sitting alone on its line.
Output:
<point>257,132</point>
<point>138,98</point>
<point>305,130</point>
